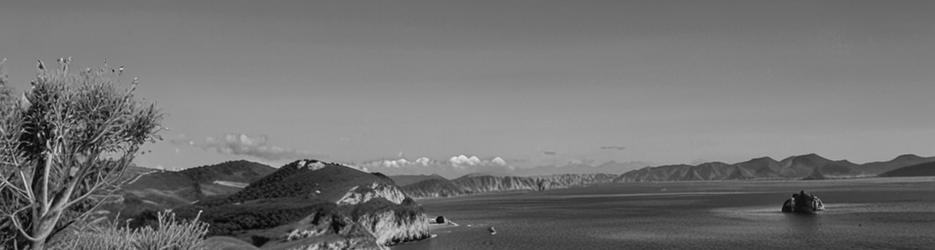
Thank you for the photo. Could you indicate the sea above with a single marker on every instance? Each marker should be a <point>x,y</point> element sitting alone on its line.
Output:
<point>870,213</point>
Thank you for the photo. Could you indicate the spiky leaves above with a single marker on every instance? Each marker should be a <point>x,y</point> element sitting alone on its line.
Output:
<point>69,138</point>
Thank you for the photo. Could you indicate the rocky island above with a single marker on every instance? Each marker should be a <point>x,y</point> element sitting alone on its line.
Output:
<point>803,202</point>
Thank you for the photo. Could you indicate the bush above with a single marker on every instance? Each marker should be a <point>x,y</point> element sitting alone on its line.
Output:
<point>169,234</point>
<point>63,142</point>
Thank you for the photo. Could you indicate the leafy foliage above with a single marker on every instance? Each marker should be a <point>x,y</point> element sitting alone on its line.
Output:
<point>65,141</point>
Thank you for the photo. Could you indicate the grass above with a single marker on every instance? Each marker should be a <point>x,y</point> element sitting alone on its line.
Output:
<point>168,234</point>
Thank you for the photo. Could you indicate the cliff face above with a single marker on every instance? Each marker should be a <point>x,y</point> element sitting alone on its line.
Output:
<point>574,180</point>
<point>483,184</point>
<point>433,188</point>
<point>376,221</point>
<point>390,228</point>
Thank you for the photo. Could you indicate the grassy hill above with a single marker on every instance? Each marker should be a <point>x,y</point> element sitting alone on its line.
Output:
<point>152,189</point>
<point>313,203</point>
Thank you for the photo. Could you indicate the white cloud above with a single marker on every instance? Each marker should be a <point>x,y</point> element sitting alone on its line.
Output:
<point>451,167</point>
<point>462,160</point>
<point>459,161</point>
<point>257,146</point>
<point>499,161</point>
<point>401,163</point>
<point>424,161</point>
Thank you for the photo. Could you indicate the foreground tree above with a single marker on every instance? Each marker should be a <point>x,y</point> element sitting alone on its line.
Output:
<point>63,143</point>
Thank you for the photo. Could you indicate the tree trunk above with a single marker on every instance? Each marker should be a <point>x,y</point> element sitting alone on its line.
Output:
<point>43,228</point>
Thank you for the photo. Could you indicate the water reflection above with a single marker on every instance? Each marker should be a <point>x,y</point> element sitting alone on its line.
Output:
<point>805,228</point>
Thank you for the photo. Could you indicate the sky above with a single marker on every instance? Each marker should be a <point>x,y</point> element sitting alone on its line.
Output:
<point>531,82</point>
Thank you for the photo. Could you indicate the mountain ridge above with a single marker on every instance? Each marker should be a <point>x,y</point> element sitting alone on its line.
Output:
<point>793,167</point>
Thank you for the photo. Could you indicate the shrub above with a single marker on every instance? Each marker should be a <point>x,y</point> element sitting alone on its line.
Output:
<point>63,142</point>
<point>169,234</point>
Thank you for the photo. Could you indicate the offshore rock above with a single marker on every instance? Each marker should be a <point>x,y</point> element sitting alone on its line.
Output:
<point>803,202</point>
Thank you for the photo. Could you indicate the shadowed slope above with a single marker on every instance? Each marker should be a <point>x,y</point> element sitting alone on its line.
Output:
<point>924,169</point>
<point>159,189</point>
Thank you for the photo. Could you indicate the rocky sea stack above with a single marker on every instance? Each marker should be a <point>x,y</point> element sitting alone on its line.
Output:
<point>803,202</point>
<point>310,204</point>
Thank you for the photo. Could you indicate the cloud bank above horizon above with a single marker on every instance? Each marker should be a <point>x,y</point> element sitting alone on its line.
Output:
<point>240,144</point>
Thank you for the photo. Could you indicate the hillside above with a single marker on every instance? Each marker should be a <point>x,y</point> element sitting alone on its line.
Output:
<point>151,189</point>
<point>924,169</point>
<point>309,203</point>
<point>434,188</point>
<point>810,166</point>
<point>403,180</point>
<point>877,168</point>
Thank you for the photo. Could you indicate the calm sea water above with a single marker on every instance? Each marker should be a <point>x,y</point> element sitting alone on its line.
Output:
<point>877,213</point>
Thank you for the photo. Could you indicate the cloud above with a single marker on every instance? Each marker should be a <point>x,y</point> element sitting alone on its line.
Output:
<point>498,161</point>
<point>402,162</point>
<point>462,160</point>
<point>619,148</point>
<point>453,166</point>
<point>256,146</point>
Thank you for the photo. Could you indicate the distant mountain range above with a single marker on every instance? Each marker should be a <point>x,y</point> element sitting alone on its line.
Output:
<point>806,167</point>
<point>810,166</point>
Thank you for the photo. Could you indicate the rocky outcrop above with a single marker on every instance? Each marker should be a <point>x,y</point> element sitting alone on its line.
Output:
<point>328,230</point>
<point>377,221</point>
<point>803,202</point>
<point>364,193</point>
<point>390,228</point>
